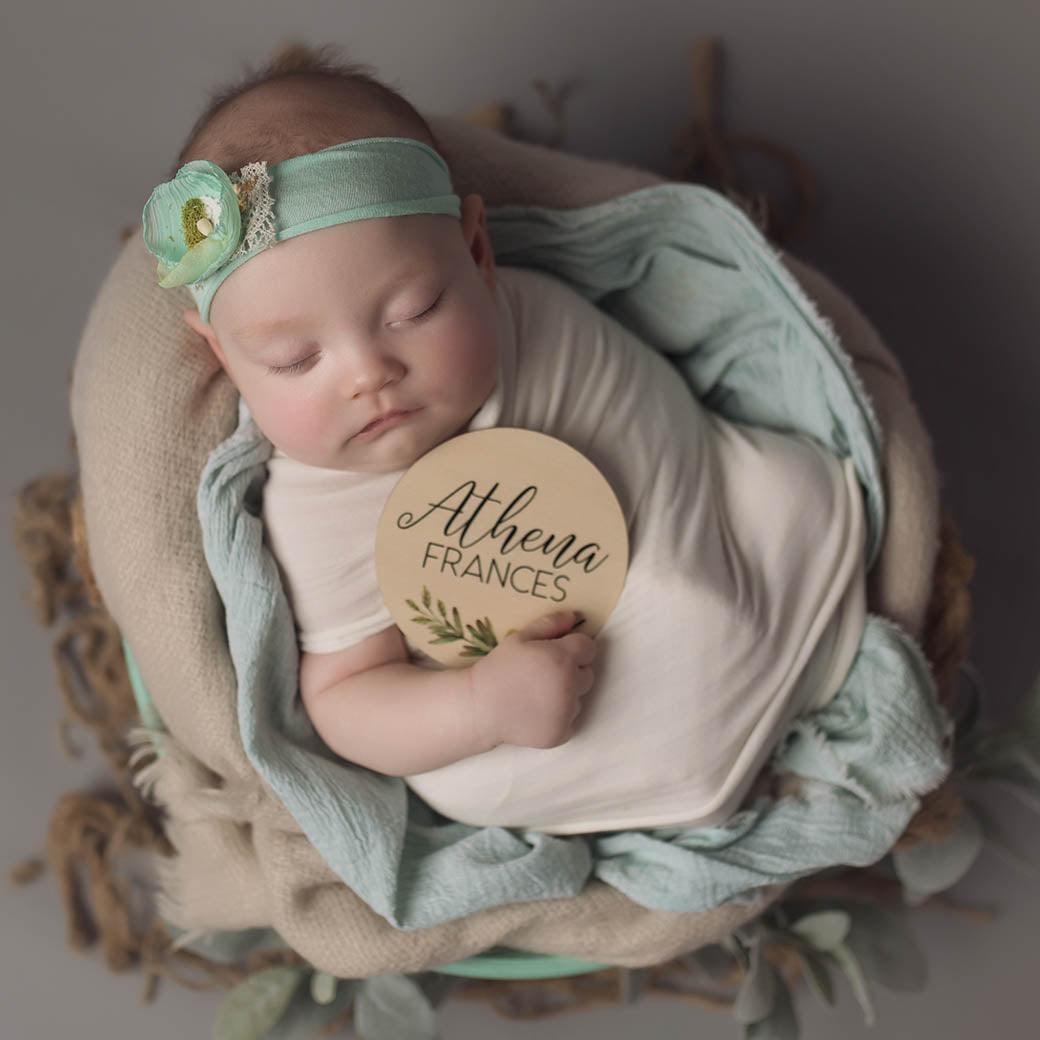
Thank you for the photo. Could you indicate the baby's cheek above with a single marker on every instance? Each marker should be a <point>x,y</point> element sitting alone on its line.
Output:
<point>470,357</point>
<point>297,425</point>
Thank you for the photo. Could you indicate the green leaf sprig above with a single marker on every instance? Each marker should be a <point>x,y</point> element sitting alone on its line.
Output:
<point>481,641</point>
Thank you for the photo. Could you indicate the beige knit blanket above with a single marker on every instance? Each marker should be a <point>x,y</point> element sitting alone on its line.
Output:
<point>149,402</point>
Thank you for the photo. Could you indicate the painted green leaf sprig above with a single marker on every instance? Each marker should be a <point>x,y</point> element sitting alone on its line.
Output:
<point>480,641</point>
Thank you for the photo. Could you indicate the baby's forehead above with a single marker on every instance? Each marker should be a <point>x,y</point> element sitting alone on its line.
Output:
<point>381,255</point>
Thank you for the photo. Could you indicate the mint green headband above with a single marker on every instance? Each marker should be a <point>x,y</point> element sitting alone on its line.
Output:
<point>204,223</point>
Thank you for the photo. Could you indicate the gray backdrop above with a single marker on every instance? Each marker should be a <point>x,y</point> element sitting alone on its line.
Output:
<point>920,122</point>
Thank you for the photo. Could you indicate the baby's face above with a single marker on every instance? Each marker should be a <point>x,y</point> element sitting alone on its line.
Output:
<point>373,316</point>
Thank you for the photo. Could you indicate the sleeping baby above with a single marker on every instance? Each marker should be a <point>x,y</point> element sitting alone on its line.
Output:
<point>354,301</point>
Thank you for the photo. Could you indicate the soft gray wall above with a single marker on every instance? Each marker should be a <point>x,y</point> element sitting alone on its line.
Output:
<point>920,122</point>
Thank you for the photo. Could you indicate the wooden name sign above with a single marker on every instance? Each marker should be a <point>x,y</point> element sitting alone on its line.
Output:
<point>492,529</point>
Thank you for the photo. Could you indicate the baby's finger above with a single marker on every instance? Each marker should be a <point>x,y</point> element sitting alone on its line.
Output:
<point>582,648</point>
<point>590,678</point>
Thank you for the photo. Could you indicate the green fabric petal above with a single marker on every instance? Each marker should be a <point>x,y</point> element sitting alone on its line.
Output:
<point>194,264</point>
<point>200,188</point>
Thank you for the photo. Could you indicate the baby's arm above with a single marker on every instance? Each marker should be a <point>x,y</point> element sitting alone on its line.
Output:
<point>373,707</point>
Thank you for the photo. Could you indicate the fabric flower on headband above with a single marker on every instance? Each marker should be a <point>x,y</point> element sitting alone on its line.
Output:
<point>194,224</point>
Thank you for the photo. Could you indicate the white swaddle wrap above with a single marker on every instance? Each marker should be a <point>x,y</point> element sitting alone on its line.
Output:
<point>743,605</point>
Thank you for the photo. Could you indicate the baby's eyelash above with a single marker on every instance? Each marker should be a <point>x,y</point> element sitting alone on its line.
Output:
<point>287,369</point>
<point>429,310</point>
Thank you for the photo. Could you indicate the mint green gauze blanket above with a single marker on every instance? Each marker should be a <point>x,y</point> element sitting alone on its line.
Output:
<point>685,270</point>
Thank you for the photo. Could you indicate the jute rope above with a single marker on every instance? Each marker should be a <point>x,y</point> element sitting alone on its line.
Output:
<point>89,833</point>
<point>704,153</point>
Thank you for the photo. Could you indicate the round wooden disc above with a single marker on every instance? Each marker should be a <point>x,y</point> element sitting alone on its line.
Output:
<point>492,529</point>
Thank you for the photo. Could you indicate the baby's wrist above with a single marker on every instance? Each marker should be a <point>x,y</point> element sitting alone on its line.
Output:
<point>478,710</point>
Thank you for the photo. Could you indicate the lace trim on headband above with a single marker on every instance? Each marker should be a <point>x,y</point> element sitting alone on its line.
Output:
<point>258,218</point>
<point>260,231</point>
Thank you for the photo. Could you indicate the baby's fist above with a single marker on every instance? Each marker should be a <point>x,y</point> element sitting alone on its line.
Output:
<point>528,690</point>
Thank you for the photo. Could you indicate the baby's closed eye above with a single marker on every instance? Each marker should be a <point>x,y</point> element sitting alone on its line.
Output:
<point>422,315</point>
<point>303,363</point>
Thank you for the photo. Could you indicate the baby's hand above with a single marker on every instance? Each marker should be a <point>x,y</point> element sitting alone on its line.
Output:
<point>528,690</point>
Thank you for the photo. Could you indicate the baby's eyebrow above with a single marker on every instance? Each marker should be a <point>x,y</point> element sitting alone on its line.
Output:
<point>265,329</point>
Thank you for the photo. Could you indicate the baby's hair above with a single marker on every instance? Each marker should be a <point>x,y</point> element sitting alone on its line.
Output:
<point>342,101</point>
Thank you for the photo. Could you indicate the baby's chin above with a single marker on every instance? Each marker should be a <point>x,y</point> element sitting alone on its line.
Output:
<point>396,460</point>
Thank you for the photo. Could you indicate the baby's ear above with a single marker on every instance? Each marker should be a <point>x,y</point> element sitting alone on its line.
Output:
<point>478,240</point>
<point>193,321</point>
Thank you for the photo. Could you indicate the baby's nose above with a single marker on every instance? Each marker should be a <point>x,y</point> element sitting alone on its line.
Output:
<point>370,375</point>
